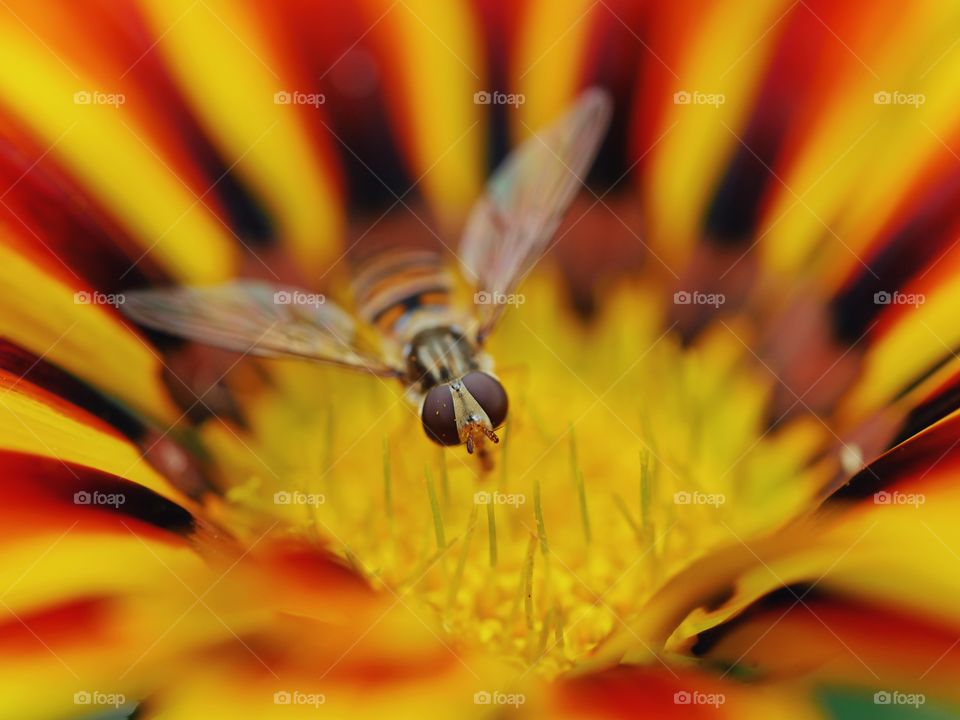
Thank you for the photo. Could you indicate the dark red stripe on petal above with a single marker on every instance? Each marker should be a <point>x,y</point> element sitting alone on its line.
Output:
<point>630,692</point>
<point>782,599</point>
<point>56,224</point>
<point>909,464</point>
<point>734,211</point>
<point>613,60</point>
<point>666,24</point>
<point>916,241</point>
<point>501,21</point>
<point>33,375</point>
<point>849,639</point>
<point>27,369</point>
<point>342,51</point>
<point>79,622</point>
<point>120,48</point>
<point>937,406</point>
<point>314,569</point>
<point>36,489</point>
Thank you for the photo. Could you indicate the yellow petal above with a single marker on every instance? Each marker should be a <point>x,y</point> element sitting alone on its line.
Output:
<point>157,210</point>
<point>445,129</point>
<point>699,137</point>
<point>41,314</point>
<point>222,61</point>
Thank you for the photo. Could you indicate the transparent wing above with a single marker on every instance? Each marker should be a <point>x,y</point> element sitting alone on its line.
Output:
<point>255,318</point>
<point>525,201</point>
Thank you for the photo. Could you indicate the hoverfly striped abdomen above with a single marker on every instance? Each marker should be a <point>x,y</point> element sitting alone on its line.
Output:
<point>406,295</point>
<point>398,289</point>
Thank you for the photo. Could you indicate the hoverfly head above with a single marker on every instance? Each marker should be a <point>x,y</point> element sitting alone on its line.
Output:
<point>466,410</point>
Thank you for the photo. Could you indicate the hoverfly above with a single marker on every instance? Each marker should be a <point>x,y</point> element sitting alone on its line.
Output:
<point>433,348</point>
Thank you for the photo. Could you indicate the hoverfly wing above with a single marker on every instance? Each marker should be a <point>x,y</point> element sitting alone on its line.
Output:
<point>526,199</point>
<point>255,318</point>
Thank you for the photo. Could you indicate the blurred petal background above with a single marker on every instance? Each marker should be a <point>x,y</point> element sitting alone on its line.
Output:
<point>727,485</point>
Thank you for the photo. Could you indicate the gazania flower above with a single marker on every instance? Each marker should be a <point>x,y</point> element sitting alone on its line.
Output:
<point>725,484</point>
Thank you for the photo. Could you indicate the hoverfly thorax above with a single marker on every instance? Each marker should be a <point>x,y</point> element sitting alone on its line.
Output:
<point>439,355</point>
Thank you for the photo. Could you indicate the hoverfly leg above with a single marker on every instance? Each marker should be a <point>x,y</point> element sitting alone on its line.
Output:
<point>486,459</point>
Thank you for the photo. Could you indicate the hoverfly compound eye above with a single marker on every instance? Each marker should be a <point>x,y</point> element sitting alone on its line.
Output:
<point>489,394</point>
<point>438,416</point>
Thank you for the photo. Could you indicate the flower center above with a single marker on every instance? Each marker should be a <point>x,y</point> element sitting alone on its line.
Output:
<point>625,457</point>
